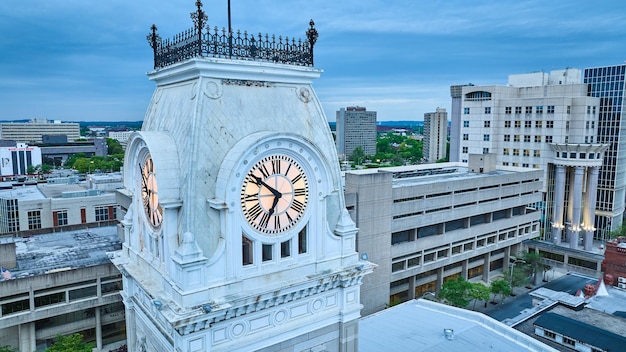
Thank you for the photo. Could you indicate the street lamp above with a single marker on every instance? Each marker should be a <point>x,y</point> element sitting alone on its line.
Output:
<point>512,265</point>
<point>90,164</point>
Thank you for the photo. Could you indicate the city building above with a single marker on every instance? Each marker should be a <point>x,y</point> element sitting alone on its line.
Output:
<point>57,205</point>
<point>56,154</point>
<point>356,127</point>
<point>32,132</point>
<point>236,233</point>
<point>17,158</point>
<point>120,136</point>
<point>545,121</point>
<point>426,326</point>
<point>61,283</point>
<point>607,85</point>
<point>422,224</point>
<point>614,261</point>
<point>435,135</point>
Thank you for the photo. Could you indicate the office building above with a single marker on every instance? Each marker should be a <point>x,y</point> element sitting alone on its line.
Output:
<point>236,232</point>
<point>422,224</point>
<point>356,127</point>
<point>544,121</point>
<point>435,135</point>
<point>59,284</point>
<point>607,85</point>
<point>18,158</point>
<point>32,132</point>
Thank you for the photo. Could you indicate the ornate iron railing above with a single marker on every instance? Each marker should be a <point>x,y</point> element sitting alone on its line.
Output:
<point>202,41</point>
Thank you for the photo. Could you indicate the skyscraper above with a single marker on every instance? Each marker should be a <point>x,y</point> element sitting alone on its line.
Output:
<point>607,83</point>
<point>356,127</point>
<point>435,135</point>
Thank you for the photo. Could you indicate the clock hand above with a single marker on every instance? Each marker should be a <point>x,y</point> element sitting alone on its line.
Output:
<point>261,183</point>
<point>274,203</point>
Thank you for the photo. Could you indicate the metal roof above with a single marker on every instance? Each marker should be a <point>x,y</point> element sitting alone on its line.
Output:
<point>582,332</point>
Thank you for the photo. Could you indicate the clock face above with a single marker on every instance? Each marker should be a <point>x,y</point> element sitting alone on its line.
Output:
<point>149,193</point>
<point>274,194</point>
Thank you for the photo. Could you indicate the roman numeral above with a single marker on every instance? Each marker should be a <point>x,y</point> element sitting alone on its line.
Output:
<point>287,171</point>
<point>265,219</point>
<point>250,197</point>
<point>264,171</point>
<point>297,206</point>
<point>275,167</point>
<point>299,192</point>
<point>297,178</point>
<point>255,211</point>
<point>276,222</point>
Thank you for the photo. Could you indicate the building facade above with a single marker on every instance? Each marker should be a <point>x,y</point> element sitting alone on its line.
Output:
<point>33,132</point>
<point>236,232</point>
<point>59,284</point>
<point>544,121</point>
<point>435,135</point>
<point>16,160</point>
<point>356,127</point>
<point>607,85</point>
<point>424,224</point>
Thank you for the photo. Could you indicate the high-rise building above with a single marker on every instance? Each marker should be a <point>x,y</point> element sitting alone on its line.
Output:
<point>33,131</point>
<point>545,121</point>
<point>236,233</point>
<point>607,83</point>
<point>435,135</point>
<point>356,127</point>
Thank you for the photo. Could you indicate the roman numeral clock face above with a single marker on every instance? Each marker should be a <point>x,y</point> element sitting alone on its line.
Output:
<point>274,194</point>
<point>149,193</point>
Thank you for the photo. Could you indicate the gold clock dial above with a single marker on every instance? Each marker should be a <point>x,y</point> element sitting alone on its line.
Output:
<point>150,193</point>
<point>274,194</point>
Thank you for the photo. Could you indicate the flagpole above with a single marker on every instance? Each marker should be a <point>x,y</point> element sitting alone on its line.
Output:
<point>230,34</point>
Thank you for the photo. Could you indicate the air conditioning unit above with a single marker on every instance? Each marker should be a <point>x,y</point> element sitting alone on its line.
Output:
<point>620,285</point>
<point>621,279</point>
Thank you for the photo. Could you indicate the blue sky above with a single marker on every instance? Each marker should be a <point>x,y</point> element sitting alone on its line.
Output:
<point>87,60</point>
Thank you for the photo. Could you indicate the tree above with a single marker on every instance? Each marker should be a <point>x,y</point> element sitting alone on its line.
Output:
<point>456,291</point>
<point>618,232</point>
<point>7,348</point>
<point>358,155</point>
<point>478,292</point>
<point>534,264</point>
<point>114,147</point>
<point>71,343</point>
<point>500,287</point>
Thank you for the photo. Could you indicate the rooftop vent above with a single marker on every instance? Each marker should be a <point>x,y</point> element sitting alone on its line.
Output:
<point>449,334</point>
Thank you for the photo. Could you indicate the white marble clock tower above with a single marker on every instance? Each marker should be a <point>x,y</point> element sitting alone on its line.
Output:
<point>236,233</point>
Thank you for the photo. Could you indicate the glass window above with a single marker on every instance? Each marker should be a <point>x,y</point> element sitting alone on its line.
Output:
<point>529,109</point>
<point>466,111</point>
<point>507,124</point>
<point>247,251</point>
<point>516,152</point>
<point>516,138</point>
<point>528,124</point>
<point>266,252</point>
<point>538,124</point>
<point>61,218</point>
<point>302,243</point>
<point>485,150</point>
<point>487,124</point>
<point>34,219</point>
<point>465,136</point>
<point>507,137</point>
<point>464,150</point>
<point>285,249</point>
<point>518,124</point>
<point>466,123</point>
<point>539,109</point>
<point>550,109</point>
<point>537,139</point>
<point>505,151</point>
<point>549,124</point>
<point>486,137</point>
<point>526,138</point>
<point>507,110</point>
<point>526,152</point>
<point>488,110</point>
<point>518,109</point>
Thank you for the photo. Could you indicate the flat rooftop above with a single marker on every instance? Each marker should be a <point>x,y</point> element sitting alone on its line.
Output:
<point>418,325</point>
<point>59,251</point>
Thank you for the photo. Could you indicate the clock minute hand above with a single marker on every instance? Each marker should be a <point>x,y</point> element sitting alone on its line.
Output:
<point>261,183</point>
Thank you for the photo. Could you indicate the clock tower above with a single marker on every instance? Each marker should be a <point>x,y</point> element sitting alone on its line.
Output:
<point>236,232</point>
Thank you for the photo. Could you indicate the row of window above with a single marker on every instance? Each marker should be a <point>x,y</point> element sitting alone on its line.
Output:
<point>526,152</point>
<point>59,217</point>
<point>518,110</point>
<point>506,163</point>
<point>269,251</point>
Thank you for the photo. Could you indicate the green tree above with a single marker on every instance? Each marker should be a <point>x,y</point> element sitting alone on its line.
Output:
<point>7,348</point>
<point>456,291</point>
<point>618,232</point>
<point>533,265</point>
<point>500,287</point>
<point>114,147</point>
<point>478,292</point>
<point>358,155</point>
<point>71,343</point>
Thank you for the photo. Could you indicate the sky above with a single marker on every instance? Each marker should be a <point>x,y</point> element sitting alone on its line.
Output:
<point>77,60</point>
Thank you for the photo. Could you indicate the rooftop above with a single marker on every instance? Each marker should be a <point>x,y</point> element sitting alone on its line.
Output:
<point>59,251</point>
<point>419,325</point>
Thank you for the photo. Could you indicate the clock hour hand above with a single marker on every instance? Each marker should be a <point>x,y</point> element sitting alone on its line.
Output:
<point>274,203</point>
<point>261,183</point>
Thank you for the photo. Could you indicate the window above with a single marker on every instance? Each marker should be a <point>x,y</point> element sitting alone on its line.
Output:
<point>505,151</point>
<point>466,123</point>
<point>538,124</point>
<point>527,138</point>
<point>537,139</point>
<point>548,139</point>
<point>525,165</point>
<point>536,166</point>
<point>246,247</point>
<point>466,111</point>
<point>507,110</point>
<point>518,124</point>
<point>516,152</point>
<point>569,109</point>
<point>528,124</point>
<point>526,152</point>
<point>485,150</point>
<point>59,218</point>
<point>549,334</point>
<point>487,124</point>
<point>505,163</point>
<point>518,109</point>
<point>285,249</point>
<point>550,109</point>
<point>516,138</point>
<point>465,136</point>
<point>267,252</point>
<point>34,219</point>
<point>516,164</point>
<point>568,341</point>
<point>507,137</point>
<point>488,110</point>
<point>507,124</point>
<point>464,150</point>
<point>529,109</point>
<point>104,213</point>
<point>549,124</point>
<point>486,137</point>
<point>539,110</point>
<point>302,245</point>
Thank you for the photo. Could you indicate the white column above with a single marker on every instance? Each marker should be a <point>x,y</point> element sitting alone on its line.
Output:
<point>98,329</point>
<point>559,200</point>
<point>590,206</point>
<point>27,337</point>
<point>577,191</point>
